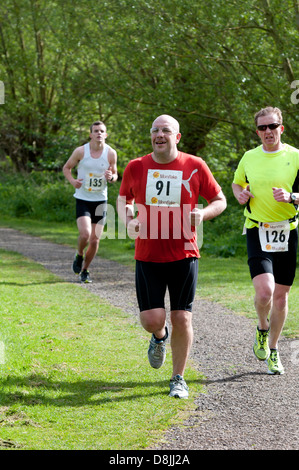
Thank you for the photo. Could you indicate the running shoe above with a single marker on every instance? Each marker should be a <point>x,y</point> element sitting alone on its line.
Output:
<point>77,264</point>
<point>157,351</point>
<point>85,277</point>
<point>275,367</point>
<point>178,387</point>
<point>261,347</point>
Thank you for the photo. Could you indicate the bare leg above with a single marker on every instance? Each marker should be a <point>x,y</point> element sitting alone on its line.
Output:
<point>89,236</point>
<point>279,313</point>
<point>181,339</point>
<point>264,286</point>
<point>84,227</point>
<point>93,246</point>
<point>271,300</point>
<point>154,321</point>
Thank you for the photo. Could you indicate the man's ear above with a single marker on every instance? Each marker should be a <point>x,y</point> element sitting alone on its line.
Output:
<point>178,138</point>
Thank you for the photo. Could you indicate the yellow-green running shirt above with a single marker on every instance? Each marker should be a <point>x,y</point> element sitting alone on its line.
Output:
<point>263,171</point>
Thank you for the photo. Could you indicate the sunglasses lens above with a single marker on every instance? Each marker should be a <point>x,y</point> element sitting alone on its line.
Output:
<point>273,126</point>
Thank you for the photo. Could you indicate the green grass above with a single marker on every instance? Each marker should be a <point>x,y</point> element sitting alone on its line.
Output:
<point>75,372</point>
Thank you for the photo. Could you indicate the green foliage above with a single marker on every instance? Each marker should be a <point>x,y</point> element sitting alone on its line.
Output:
<point>210,64</point>
<point>40,196</point>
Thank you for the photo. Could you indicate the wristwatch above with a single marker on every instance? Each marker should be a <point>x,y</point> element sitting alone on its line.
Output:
<point>293,198</point>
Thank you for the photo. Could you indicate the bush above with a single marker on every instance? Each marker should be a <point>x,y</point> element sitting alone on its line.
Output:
<point>41,195</point>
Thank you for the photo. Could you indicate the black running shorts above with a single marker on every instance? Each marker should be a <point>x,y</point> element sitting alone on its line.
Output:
<point>96,210</point>
<point>281,264</point>
<point>152,280</point>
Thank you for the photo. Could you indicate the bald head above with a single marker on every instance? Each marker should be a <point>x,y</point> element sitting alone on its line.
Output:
<point>165,120</point>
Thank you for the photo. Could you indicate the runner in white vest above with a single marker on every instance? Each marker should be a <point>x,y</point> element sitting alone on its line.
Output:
<point>96,166</point>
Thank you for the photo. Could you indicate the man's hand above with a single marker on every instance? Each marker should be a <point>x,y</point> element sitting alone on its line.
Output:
<point>196,217</point>
<point>281,195</point>
<point>245,195</point>
<point>133,229</point>
<point>108,174</point>
<point>77,183</point>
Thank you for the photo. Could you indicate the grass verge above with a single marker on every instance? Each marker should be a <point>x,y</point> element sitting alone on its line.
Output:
<point>74,371</point>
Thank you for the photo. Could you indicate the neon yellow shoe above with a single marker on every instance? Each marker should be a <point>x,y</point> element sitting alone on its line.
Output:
<point>261,344</point>
<point>275,367</point>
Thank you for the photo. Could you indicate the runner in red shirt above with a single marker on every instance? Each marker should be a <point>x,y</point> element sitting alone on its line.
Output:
<point>165,186</point>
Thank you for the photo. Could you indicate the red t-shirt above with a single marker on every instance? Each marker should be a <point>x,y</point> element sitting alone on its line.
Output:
<point>165,194</point>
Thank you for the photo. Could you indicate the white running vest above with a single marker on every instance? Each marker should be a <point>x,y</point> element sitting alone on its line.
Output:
<point>91,171</point>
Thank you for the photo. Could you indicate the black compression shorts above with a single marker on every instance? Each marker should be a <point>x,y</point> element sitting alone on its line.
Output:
<point>152,280</point>
<point>281,264</point>
<point>96,210</point>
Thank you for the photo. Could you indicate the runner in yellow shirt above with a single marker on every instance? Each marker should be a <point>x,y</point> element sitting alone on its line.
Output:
<point>266,182</point>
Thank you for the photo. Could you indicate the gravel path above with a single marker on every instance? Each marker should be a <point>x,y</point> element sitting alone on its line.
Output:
<point>243,407</point>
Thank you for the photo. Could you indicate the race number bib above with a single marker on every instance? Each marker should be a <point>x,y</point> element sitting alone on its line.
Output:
<point>274,236</point>
<point>94,182</point>
<point>163,188</point>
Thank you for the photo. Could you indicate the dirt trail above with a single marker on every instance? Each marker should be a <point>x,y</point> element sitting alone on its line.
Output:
<point>243,408</point>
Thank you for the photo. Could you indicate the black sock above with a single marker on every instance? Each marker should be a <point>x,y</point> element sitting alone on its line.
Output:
<point>161,339</point>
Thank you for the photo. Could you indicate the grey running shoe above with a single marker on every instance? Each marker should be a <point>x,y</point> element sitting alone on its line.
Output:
<point>261,345</point>
<point>178,387</point>
<point>77,264</point>
<point>85,277</point>
<point>157,351</point>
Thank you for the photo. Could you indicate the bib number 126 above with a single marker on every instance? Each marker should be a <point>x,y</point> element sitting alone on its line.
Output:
<point>274,236</point>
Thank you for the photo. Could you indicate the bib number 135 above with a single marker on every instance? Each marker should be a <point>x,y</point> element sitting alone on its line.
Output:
<point>94,182</point>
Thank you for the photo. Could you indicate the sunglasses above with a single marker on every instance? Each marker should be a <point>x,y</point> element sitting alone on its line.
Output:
<point>272,126</point>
